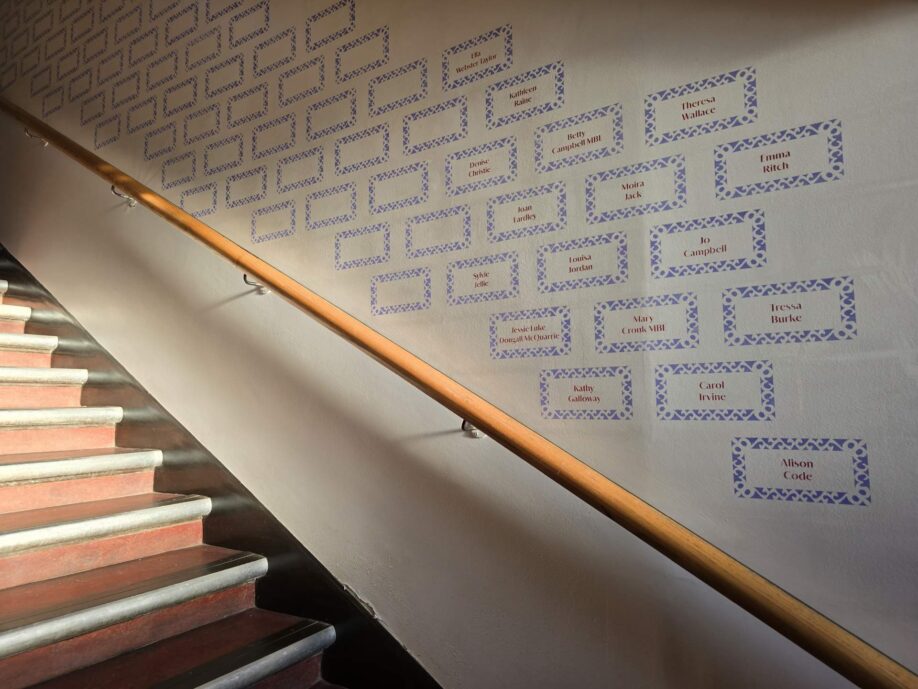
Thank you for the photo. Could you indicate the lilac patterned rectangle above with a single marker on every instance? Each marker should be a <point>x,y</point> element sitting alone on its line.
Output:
<point>716,391</point>
<point>376,237</point>
<point>351,59</point>
<point>458,220</point>
<point>733,241</point>
<point>436,125</point>
<point>400,87</point>
<point>649,187</point>
<point>584,262</point>
<point>667,321</point>
<point>587,394</point>
<point>482,166</point>
<point>531,333</point>
<point>332,206</point>
<point>788,159</point>
<point>527,212</point>
<point>477,58</point>
<point>819,310</point>
<point>588,136</point>
<point>412,287</point>
<point>825,471</point>
<point>400,188</point>
<point>701,107</point>
<point>484,278</point>
<point>525,95</point>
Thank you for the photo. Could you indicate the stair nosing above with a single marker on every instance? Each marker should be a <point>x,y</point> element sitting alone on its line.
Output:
<point>27,342</point>
<point>75,467</point>
<point>22,375</point>
<point>13,312</point>
<point>180,509</point>
<point>60,416</point>
<point>4,287</point>
<point>283,656</point>
<point>107,613</point>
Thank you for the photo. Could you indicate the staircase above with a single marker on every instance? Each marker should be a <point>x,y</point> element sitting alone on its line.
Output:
<point>105,583</point>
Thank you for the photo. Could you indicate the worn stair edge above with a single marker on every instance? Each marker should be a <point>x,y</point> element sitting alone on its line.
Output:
<point>234,572</point>
<point>4,286</point>
<point>16,375</point>
<point>63,416</point>
<point>28,343</point>
<point>259,660</point>
<point>8,312</point>
<point>181,508</point>
<point>36,466</point>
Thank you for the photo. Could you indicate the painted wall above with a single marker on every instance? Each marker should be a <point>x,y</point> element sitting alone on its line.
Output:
<point>488,572</point>
<point>526,194</point>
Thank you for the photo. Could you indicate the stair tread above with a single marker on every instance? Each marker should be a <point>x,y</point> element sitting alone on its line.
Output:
<point>28,343</point>
<point>10,312</point>
<point>211,649</point>
<point>29,604</point>
<point>82,511</point>
<point>60,416</point>
<point>22,375</point>
<point>64,455</point>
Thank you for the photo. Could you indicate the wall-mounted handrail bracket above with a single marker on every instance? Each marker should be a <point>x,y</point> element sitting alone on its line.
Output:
<point>259,288</point>
<point>28,133</point>
<point>470,430</point>
<point>130,199</point>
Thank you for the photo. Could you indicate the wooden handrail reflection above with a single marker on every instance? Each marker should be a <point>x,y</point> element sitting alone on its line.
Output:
<point>836,647</point>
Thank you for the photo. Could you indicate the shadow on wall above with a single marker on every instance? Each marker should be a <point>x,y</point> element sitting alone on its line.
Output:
<point>604,600</point>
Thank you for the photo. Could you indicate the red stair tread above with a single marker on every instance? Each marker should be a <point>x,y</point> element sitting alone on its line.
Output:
<point>30,519</point>
<point>171,657</point>
<point>46,598</point>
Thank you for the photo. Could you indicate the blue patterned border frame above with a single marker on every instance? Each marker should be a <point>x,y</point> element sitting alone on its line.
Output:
<point>113,136</point>
<point>350,188</point>
<point>349,94</point>
<point>348,5</point>
<point>755,218</point>
<point>844,286</point>
<point>228,165</point>
<point>204,188</point>
<point>562,312</point>
<point>556,69</point>
<point>165,183</point>
<point>764,369</point>
<point>213,108</point>
<point>750,107</point>
<point>618,277</point>
<point>676,162</point>
<point>289,206</point>
<point>284,187</point>
<point>262,173</point>
<point>420,197</point>
<point>508,143</point>
<point>614,146</point>
<point>377,109</point>
<point>687,299</point>
<point>460,102</point>
<point>424,303</point>
<point>366,162</point>
<point>557,189</point>
<point>831,129</point>
<point>283,98</point>
<point>290,120</point>
<point>340,51</point>
<point>857,448</point>
<point>342,237</point>
<point>623,413</point>
<point>512,291</point>
<point>418,252</point>
<point>505,32</point>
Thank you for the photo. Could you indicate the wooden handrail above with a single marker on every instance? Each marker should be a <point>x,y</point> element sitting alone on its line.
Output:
<point>836,647</point>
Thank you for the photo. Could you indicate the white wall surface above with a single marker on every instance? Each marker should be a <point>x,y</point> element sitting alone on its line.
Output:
<point>491,574</point>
